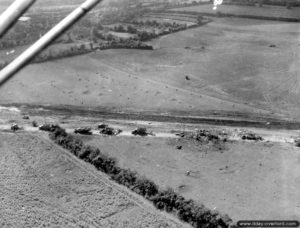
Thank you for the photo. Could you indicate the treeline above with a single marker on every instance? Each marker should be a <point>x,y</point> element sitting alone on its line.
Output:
<point>71,51</point>
<point>168,200</point>
<point>48,54</point>
<point>142,35</point>
<point>124,43</point>
<point>287,3</point>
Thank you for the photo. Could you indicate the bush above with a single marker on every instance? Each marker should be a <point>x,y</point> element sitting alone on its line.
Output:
<point>105,164</point>
<point>145,187</point>
<point>93,155</point>
<point>85,152</point>
<point>126,177</point>
<point>168,200</point>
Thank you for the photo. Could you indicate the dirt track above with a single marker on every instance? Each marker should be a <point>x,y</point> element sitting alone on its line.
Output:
<point>41,185</point>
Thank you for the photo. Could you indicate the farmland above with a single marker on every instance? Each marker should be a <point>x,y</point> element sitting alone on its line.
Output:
<point>58,188</point>
<point>218,74</point>
<point>267,11</point>
<point>225,169</point>
<point>230,62</point>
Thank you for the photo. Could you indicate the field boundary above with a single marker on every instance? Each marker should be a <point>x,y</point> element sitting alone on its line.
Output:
<point>212,117</point>
<point>220,14</point>
<point>167,200</point>
<point>140,201</point>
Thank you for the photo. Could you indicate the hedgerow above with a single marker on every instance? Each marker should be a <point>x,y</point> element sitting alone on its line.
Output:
<point>187,210</point>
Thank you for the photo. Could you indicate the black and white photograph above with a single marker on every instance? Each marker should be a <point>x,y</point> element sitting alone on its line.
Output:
<point>149,113</point>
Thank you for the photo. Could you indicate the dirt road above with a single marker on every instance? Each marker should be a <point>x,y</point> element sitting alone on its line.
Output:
<point>41,185</point>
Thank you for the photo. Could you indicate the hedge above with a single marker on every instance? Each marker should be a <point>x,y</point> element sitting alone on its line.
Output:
<point>186,210</point>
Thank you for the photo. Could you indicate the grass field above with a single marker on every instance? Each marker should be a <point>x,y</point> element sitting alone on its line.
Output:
<point>230,64</point>
<point>246,180</point>
<point>41,185</point>
<point>226,67</point>
<point>265,11</point>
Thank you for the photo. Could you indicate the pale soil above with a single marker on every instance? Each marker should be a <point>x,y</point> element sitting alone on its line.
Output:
<point>44,186</point>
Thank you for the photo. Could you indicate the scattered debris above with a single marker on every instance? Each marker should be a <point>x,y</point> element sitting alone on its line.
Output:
<point>205,135</point>
<point>83,131</point>
<point>182,186</point>
<point>110,131</point>
<point>297,141</point>
<point>251,136</point>
<point>181,134</point>
<point>34,124</point>
<point>48,127</point>
<point>141,131</point>
<point>178,147</point>
<point>102,126</point>
<point>25,117</point>
<point>15,127</point>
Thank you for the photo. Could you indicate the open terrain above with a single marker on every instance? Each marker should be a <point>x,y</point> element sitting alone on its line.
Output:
<point>43,186</point>
<point>245,179</point>
<point>230,64</point>
<point>267,11</point>
<point>231,69</point>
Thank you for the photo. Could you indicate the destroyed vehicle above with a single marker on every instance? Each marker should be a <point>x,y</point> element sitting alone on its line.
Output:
<point>48,127</point>
<point>102,126</point>
<point>34,124</point>
<point>205,134</point>
<point>15,127</point>
<point>83,131</point>
<point>110,131</point>
<point>252,136</point>
<point>141,131</point>
<point>25,117</point>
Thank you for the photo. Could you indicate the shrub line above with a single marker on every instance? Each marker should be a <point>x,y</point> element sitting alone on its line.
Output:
<point>168,200</point>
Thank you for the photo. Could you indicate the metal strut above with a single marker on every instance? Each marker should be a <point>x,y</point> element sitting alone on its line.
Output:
<point>21,61</point>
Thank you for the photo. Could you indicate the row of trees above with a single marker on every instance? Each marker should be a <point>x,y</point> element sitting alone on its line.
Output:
<point>187,210</point>
<point>125,43</point>
<point>129,29</point>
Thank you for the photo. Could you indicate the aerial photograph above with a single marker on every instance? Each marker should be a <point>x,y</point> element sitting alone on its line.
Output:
<point>149,113</point>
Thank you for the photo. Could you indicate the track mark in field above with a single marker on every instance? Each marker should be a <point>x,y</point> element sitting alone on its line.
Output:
<point>114,68</point>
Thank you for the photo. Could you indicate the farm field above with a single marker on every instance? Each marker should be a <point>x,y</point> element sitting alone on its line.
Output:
<point>265,11</point>
<point>44,186</point>
<point>229,62</point>
<point>231,69</point>
<point>244,179</point>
